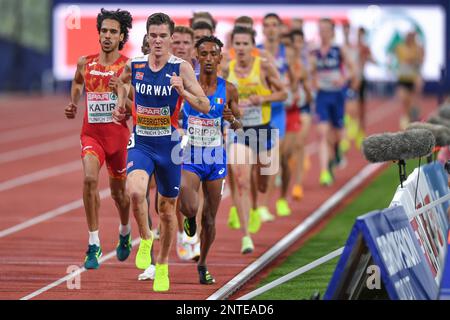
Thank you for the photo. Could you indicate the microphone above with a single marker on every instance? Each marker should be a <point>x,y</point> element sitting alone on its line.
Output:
<point>439,120</point>
<point>441,133</point>
<point>444,112</point>
<point>405,145</point>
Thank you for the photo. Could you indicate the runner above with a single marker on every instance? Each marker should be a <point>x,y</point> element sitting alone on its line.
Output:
<point>101,139</point>
<point>272,28</point>
<point>205,142</point>
<point>298,118</point>
<point>410,57</point>
<point>253,76</point>
<point>155,140</point>
<point>328,78</point>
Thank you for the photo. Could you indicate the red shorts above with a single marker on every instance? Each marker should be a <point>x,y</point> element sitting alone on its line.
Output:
<point>293,120</point>
<point>111,151</point>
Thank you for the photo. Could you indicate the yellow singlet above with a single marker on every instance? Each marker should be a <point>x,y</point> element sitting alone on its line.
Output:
<point>253,115</point>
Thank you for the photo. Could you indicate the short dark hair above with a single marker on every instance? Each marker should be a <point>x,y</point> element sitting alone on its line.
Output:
<point>203,15</point>
<point>159,19</point>
<point>243,30</point>
<point>244,19</point>
<point>184,30</point>
<point>209,39</point>
<point>202,25</point>
<point>273,15</point>
<point>296,32</point>
<point>327,20</point>
<point>123,17</point>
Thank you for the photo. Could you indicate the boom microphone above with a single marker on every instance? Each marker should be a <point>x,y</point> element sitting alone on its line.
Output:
<point>439,120</point>
<point>444,111</point>
<point>405,145</point>
<point>441,134</point>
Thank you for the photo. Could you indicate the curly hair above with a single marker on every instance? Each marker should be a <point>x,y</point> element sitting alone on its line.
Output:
<point>209,39</point>
<point>123,17</point>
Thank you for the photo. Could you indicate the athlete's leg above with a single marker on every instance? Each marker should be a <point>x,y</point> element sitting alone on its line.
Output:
<point>137,183</point>
<point>167,217</point>
<point>91,198</point>
<point>301,143</point>
<point>121,198</point>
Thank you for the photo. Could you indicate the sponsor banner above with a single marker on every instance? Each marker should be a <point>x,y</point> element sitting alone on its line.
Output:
<point>382,241</point>
<point>430,227</point>
<point>75,33</point>
<point>444,291</point>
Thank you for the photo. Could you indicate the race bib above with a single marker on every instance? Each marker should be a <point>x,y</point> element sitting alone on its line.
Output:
<point>252,116</point>
<point>153,122</point>
<point>327,80</point>
<point>204,132</point>
<point>100,106</point>
<point>131,142</point>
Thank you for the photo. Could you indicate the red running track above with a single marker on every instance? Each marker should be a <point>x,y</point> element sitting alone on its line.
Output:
<point>42,222</point>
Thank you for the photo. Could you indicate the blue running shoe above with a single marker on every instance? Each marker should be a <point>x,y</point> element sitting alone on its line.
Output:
<point>123,248</point>
<point>93,254</point>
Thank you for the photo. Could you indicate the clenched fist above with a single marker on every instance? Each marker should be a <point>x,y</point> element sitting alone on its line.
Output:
<point>70,111</point>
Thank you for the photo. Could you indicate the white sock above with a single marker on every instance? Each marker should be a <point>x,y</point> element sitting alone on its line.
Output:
<point>124,230</point>
<point>93,238</point>
<point>180,236</point>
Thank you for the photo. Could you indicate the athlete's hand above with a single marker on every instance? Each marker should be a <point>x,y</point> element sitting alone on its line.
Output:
<point>227,114</point>
<point>119,114</point>
<point>177,83</point>
<point>256,100</point>
<point>113,83</point>
<point>70,111</point>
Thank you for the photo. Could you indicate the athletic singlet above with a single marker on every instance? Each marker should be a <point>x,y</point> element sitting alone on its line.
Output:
<point>251,85</point>
<point>205,130</point>
<point>329,68</point>
<point>157,104</point>
<point>100,98</point>
<point>408,68</point>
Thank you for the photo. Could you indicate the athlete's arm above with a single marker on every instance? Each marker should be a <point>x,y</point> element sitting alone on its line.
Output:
<point>123,90</point>
<point>231,111</point>
<point>352,68</point>
<point>273,79</point>
<point>77,89</point>
<point>306,87</point>
<point>189,89</point>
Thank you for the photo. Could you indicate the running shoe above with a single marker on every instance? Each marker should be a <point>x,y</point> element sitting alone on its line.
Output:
<point>190,226</point>
<point>196,251</point>
<point>184,250</point>
<point>161,282</point>
<point>264,214</point>
<point>283,209</point>
<point>204,275</point>
<point>247,245</point>
<point>297,192</point>
<point>326,179</point>
<point>233,219</point>
<point>148,274</point>
<point>143,256</point>
<point>254,221</point>
<point>93,254</point>
<point>123,248</point>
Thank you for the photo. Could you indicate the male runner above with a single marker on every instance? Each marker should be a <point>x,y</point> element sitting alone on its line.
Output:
<point>160,80</point>
<point>253,76</point>
<point>206,144</point>
<point>329,79</point>
<point>272,29</point>
<point>101,139</point>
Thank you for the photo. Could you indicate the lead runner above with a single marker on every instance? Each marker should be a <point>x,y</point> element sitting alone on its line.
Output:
<point>154,136</point>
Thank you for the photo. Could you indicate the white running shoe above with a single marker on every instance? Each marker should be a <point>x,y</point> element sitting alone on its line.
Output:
<point>148,274</point>
<point>196,251</point>
<point>184,250</point>
<point>190,240</point>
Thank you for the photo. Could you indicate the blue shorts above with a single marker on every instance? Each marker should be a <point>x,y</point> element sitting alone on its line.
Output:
<point>278,118</point>
<point>258,138</point>
<point>167,173</point>
<point>306,108</point>
<point>204,163</point>
<point>330,107</point>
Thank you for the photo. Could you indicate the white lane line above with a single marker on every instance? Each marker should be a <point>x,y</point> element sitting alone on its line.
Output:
<point>50,214</point>
<point>40,175</point>
<point>234,284</point>
<point>73,275</point>
<point>34,132</point>
<point>39,149</point>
